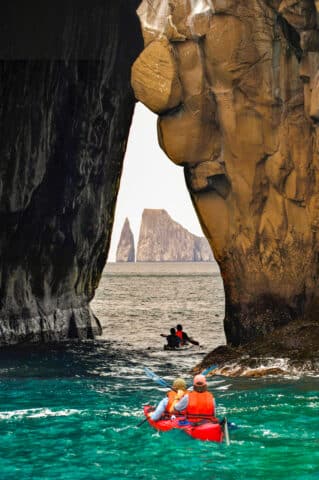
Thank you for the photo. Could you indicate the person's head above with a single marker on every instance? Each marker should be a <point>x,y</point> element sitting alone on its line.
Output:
<point>179,327</point>
<point>199,383</point>
<point>173,331</point>
<point>179,384</point>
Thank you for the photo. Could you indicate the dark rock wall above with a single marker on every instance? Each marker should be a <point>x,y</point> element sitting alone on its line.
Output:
<point>65,114</point>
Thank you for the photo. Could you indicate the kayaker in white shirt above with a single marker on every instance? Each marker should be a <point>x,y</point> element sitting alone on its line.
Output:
<point>167,404</point>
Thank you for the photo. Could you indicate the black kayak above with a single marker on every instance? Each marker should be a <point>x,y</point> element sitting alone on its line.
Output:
<point>177,349</point>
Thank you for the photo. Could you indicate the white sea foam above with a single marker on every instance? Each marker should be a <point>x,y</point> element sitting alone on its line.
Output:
<point>223,387</point>
<point>122,429</point>
<point>270,433</point>
<point>266,366</point>
<point>37,413</point>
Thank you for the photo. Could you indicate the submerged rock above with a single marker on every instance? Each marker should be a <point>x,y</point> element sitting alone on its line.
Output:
<point>162,239</point>
<point>125,250</point>
<point>246,133</point>
<point>65,107</point>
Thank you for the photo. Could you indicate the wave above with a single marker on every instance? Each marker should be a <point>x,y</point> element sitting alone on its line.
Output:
<point>38,413</point>
<point>267,366</point>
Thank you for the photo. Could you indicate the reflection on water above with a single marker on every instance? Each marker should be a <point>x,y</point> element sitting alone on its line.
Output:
<point>136,302</point>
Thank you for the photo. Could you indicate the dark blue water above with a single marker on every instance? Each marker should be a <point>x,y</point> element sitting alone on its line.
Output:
<point>72,412</point>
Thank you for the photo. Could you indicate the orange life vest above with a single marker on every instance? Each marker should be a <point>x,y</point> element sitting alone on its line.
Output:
<point>171,397</point>
<point>200,403</point>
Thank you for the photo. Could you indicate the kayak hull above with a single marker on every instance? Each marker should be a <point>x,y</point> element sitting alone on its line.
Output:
<point>210,431</point>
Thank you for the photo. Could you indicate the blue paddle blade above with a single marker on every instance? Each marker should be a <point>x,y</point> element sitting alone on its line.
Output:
<point>160,381</point>
<point>232,426</point>
<point>205,372</point>
<point>209,369</point>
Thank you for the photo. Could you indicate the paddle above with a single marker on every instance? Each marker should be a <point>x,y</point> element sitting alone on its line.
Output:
<point>160,381</point>
<point>141,423</point>
<point>226,432</point>
<point>209,369</point>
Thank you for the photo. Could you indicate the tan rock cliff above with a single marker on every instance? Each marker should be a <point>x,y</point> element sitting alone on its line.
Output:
<point>162,239</point>
<point>237,93</point>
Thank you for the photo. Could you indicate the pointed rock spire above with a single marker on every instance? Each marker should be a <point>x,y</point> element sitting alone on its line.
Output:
<point>126,250</point>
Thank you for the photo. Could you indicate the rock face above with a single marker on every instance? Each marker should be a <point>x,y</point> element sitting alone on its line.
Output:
<point>237,94</point>
<point>65,113</point>
<point>125,250</point>
<point>163,240</point>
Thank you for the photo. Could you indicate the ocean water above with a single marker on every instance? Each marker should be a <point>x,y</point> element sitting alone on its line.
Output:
<point>73,411</point>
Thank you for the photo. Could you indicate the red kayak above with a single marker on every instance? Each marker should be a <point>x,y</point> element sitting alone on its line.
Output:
<point>209,429</point>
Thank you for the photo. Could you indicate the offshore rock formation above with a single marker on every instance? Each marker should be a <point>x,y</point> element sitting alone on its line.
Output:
<point>162,239</point>
<point>125,251</point>
<point>65,108</point>
<point>236,86</point>
<point>202,250</point>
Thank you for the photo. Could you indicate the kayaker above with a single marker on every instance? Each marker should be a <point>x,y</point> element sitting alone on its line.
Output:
<point>198,402</point>
<point>173,341</point>
<point>166,405</point>
<point>184,338</point>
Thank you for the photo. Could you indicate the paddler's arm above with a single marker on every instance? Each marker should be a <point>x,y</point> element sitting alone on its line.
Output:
<point>160,409</point>
<point>180,404</point>
<point>190,340</point>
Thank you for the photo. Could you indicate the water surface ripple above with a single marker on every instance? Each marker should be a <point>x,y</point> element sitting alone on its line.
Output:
<point>72,411</point>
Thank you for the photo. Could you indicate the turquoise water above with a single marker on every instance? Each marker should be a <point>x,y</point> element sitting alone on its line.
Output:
<point>72,412</point>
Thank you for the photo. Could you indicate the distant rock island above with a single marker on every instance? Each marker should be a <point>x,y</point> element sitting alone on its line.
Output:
<point>162,239</point>
<point>126,250</point>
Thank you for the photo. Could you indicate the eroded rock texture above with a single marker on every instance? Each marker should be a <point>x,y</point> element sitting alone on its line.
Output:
<point>125,251</point>
<point>65,111</point>
<point>235,85</point>
<point>161,239</point>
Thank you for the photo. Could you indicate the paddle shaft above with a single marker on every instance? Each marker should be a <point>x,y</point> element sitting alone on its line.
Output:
<point>141,423</point>
<point>163,383</point>
<point>226,432</point>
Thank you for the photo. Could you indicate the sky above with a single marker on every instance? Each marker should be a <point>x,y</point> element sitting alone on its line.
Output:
<point>150,180</point>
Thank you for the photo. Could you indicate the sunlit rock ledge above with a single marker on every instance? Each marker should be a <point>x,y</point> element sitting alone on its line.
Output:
<point>290,350</point>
